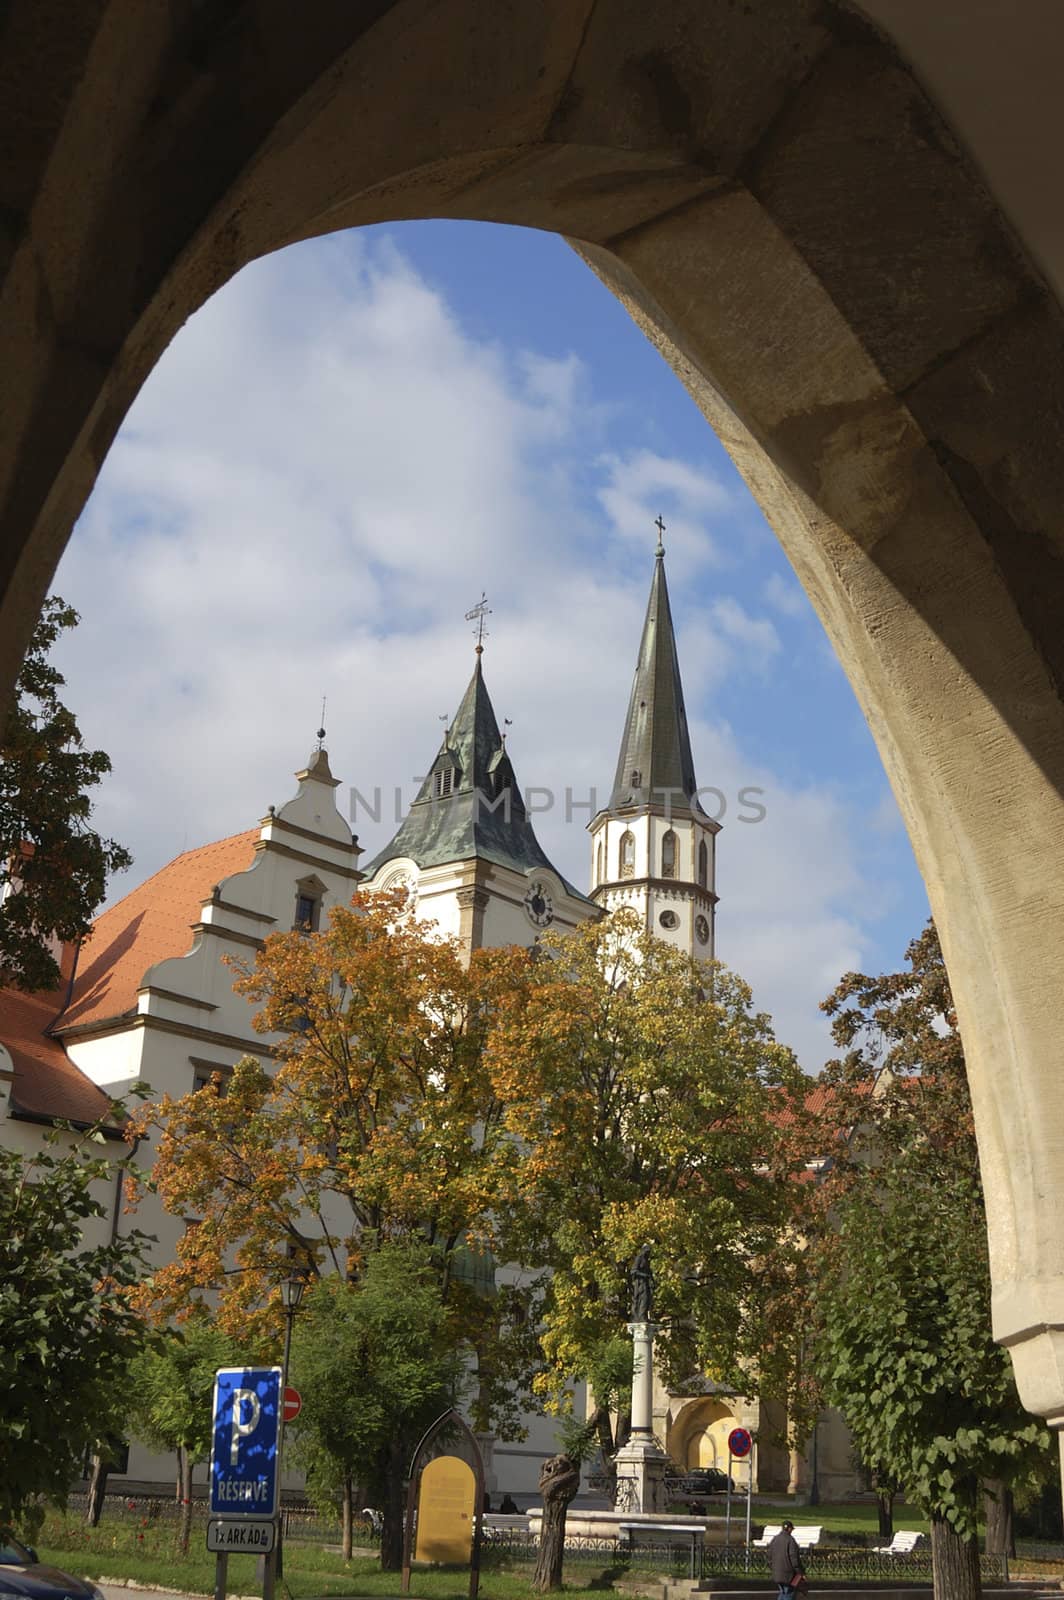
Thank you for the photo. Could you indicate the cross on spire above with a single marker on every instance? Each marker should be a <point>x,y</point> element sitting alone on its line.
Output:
<point>660,525</point>
<point>477,615</point>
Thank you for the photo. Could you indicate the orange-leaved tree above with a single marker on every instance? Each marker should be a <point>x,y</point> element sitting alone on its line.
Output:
<point>374,1122</point>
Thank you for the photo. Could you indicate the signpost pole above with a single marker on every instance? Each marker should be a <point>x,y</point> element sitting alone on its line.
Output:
<point>221,1574</point>
<point>749,1493</point>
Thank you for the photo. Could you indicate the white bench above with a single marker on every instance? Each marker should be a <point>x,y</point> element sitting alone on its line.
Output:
<point>902,1544</point>
<point>804,1538</point>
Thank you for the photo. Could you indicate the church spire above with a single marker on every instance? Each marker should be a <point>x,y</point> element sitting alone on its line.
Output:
<point>655,765</point>
<point>470,805</point>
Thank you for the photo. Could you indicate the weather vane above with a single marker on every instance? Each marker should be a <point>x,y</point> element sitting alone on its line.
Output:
<point>507,722</point>
<point>477,615</point>
<point>660,525</point>
<point>321,730</point>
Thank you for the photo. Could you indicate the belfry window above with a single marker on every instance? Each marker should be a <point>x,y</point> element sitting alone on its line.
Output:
<point>442,783</point>
<point>703,865</point>
<point>668,855</point>
<point>598,863</point>
<point>627,854</point>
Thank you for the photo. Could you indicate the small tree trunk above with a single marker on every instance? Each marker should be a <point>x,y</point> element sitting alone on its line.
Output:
<point>885,1507</point>
<point>98,1471</point>
<point>954,1562</point>
<point>348,1515</point>
<point>559,1480</point>
<point>394,1510</point>
<point>184,1527</point>
<point>607,1448</point>
<point>1000,1536</point>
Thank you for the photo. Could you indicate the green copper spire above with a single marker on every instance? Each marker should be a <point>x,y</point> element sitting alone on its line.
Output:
<point>470,804</point>
<point>655,765</point>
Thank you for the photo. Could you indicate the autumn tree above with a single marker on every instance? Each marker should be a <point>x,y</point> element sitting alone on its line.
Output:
<point>642,1093</point>
<point>901,1277</point>
<point>54,865</point>
<point>67,1329</point>
<point>173,1380</point>
<point>375,1124</point>
<point>390,1337</point>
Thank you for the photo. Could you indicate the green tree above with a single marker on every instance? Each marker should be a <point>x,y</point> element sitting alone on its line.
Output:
<point>54,863</point>
<point>390,1338</point>
<point>643,1096</point>
<point>173,1380</point>
<point>67,1328</point>
<point>899,1262</point>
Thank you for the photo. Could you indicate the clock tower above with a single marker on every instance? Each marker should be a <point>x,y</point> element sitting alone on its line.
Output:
<point>652,845</point>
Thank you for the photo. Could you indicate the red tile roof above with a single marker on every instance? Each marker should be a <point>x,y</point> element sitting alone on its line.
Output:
<point>150,924</point>
<point>46,1084</point>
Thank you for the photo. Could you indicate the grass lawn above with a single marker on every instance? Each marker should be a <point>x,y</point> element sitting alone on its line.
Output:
<point>860,1517</point>
<point>144,1552</point>
<point>121,1550</point>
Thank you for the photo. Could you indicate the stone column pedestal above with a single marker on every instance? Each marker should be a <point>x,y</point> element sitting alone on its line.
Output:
<point>641,1462</point>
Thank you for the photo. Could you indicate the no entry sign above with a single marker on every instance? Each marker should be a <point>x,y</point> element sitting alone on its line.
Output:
<point>293,1403</point>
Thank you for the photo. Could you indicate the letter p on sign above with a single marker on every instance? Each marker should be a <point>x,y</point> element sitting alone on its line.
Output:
<point>243,1425</point>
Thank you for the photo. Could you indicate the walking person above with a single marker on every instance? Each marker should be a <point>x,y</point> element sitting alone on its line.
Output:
<point>785,1561</point>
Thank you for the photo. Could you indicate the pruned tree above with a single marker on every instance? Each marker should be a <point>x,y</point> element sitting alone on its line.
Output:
<point>53,865</point>
<point>900,1268</point>
<point>559,1479</point>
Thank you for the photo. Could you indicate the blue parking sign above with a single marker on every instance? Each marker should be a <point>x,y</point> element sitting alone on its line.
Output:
<point>247,1404</point>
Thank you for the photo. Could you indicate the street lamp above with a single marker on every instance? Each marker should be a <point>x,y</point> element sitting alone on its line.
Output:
<point>293,1289</point>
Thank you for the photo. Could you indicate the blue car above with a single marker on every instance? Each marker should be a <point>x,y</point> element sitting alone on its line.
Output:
<point>22,1574</point>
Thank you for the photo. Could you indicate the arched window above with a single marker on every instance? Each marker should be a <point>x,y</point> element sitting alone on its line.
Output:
<point>668,855</point>
<point>598,863</point>
<point>627,854</point>
<point>703,865</point>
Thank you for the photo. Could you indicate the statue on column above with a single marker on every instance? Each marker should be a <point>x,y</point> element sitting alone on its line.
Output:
<point>641,1279</point>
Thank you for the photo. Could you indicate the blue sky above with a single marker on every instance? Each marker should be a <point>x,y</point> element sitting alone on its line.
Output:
<point>337,455</point>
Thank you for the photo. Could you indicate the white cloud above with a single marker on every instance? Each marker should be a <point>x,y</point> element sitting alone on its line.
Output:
<point>314,486</point>
<point>755,637</point>
<point>786,595</point>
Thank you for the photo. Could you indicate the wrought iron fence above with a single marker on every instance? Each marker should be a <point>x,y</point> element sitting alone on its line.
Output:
<point>660,1553</point>
<point>300,1524</point>
<point>848,1563</point>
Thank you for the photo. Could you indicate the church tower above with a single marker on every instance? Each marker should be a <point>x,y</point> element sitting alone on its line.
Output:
<point>653,846</point>
<point>466,851</point>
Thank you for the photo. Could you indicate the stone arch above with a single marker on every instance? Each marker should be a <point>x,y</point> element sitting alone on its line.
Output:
<point>783,209</point>
<point>699,1433</point>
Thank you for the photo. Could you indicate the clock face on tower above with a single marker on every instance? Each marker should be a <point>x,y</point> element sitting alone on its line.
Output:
<point>539,907</point>
<point>404,883</point>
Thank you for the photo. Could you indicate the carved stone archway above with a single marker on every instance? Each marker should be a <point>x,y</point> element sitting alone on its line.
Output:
<point>784,210</point>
